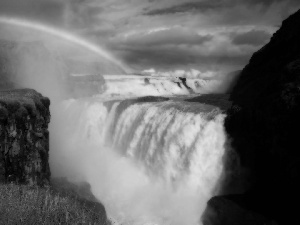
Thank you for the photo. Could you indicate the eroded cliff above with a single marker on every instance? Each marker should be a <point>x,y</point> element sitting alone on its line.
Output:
<point>264,122</point>
<point>24,137</point>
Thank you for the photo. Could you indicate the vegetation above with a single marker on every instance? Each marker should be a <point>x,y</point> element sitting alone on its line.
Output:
<point>21,204</point>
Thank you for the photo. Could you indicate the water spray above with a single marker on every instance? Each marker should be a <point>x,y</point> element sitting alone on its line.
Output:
<point>64,35</point>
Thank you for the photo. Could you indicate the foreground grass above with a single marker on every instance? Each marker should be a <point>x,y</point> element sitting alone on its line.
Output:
<point>20,204</point>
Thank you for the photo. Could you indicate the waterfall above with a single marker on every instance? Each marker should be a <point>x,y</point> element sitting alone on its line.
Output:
<point>155,162</point>
<point>147,162</point>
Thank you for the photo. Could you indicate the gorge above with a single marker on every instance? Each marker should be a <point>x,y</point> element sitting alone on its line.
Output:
<point>144,158</point>
<point>139,154</point>
<point>155,152</point>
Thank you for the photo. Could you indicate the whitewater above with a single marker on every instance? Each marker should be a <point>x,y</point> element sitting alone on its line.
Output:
<point>155,162</point>
<point>150,160</point>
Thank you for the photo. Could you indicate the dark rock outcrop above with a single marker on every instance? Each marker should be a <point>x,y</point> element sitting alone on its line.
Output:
<point>227,211</point>
<point>219,100</point>
<point>264,123</point>
<point>183,80</point>
<point>81,191</point>
<point>230,82</point>
<point>24,137</point>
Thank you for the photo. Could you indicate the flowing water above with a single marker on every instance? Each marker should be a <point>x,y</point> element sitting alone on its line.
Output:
<point>147,162</point>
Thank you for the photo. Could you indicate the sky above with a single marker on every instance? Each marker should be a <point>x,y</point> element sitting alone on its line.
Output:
<point>206,35</point>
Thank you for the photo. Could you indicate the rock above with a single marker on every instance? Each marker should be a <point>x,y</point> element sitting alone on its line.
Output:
<point>271,67</point>
<point>146,81</point>
<point>264,122</point>
<point>219,100</point>
<point>81,191</point>
<point>230,81</point>
<point>183,80</point>
<point>24,137</point>
<point>222,210</point>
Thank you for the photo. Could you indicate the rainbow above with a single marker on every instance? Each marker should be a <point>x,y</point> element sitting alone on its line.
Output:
<point>64,35</point>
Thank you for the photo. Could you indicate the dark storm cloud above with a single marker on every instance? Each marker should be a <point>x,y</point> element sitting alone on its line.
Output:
<point>174,36</point>
<point>169,60</point>
<point>209,5</point>
<point>247,25</point>
<point>267,2</point>
<point>162,33</point>
<point>253,37</point>
<point>176,57</point>
<point>201,6</point>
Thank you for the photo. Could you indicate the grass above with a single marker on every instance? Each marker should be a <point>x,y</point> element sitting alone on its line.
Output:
<point>21,204</point>
<point>31,100</point>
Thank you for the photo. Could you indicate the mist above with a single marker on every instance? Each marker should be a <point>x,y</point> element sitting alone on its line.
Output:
<point>79,129</point>
<point>138,190</point>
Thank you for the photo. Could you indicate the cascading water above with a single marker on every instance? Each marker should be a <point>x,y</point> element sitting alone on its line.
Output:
<point>152,162</point>
<point>148,163</point>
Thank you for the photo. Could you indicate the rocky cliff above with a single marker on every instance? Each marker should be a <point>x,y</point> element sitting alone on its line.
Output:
<point>24,137</point>
<point>264,122</point>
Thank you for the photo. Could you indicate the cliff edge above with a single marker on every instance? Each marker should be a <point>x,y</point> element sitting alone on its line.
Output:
<point>24,137</point>
<point>264,122</point>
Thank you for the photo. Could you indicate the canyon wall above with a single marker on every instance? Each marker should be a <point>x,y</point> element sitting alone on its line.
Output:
<point>264,122</point>
<point>24,137</point>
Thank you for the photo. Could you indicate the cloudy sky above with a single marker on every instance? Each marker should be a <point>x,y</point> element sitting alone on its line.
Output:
<point>208,35</point>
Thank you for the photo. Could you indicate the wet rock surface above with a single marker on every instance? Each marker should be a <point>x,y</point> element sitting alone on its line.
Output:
<point>229,210</point>
<point>24,137</point>
<point>263,124</point>
<point>219,100</point>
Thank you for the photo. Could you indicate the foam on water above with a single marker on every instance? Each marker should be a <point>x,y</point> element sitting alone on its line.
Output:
<point>148,163</point>
<point>128,86</point>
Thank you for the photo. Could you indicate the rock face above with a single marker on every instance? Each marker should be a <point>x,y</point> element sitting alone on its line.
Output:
<point>264,123</point>
<point>81,191</point>
<point>24,137</point>
<point>225,211</point>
